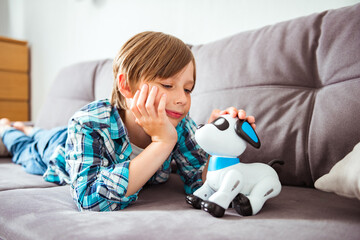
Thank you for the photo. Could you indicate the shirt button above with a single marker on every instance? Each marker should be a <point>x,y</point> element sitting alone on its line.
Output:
<point>80,178</point>
<point>122,156</point>
<point>105,162</point>
<point>113,206</point>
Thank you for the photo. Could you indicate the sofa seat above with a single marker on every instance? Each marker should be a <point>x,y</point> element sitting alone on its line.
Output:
<point>162,213</point>
<point>13,176</point>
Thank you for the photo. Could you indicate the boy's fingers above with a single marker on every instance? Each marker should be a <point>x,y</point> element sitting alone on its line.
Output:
<point>232,111</point>
<point>242,114</point>
<point>150,102</point>
<point>161,107</point>
<point>214,115</point>
<point>251,119</point>
<point>133,106</point>
<point>140,103</point>
<point>137,121</point>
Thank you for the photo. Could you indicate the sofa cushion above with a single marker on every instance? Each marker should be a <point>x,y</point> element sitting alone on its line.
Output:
<point>344,177</point>
<point>162,213</point>
<point>72,89</point>
<point>13,176</point>
<point>300,79</point>
<point>104,80</point>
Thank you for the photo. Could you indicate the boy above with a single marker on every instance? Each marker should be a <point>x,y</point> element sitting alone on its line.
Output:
<point>114,148</point>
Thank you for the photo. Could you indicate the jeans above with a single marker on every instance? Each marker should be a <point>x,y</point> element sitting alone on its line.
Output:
<point>34,151</point>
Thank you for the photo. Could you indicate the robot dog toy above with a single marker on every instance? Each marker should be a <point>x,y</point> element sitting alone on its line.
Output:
<point>247,186</point>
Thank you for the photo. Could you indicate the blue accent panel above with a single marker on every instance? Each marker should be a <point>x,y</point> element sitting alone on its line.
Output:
<point>246,127</point>
<point>216,162</point>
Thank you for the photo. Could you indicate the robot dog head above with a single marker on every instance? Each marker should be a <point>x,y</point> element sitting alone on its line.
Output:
<point>226,136</point>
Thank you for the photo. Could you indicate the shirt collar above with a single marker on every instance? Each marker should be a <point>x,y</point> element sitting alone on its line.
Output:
<point>117,126</point>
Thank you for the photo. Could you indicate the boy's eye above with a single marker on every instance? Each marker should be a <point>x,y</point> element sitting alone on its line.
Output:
<point>166,86</point>
<point>188,90</point>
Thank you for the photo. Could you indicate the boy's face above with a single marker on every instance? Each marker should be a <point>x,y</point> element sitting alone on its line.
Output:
<point>177,90</point>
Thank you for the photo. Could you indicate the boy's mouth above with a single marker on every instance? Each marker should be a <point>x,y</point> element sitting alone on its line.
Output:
<point>173,114</point>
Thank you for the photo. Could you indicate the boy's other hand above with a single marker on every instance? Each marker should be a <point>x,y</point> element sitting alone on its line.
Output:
<point>153,119</point>
<point>232,111</point>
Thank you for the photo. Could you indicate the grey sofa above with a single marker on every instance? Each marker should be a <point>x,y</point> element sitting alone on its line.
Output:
<point>300,78</point>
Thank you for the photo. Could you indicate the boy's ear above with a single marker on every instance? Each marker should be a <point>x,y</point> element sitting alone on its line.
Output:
<point>124,87</point>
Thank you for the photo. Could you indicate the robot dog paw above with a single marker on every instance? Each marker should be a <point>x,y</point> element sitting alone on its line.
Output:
<point>242,205</point>
<point>212,208</point>
<point>194,201</point>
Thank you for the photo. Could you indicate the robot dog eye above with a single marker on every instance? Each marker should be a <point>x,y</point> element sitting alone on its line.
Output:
<point>221,123</point>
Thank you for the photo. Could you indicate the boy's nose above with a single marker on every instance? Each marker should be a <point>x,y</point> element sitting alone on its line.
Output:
<point>180,97</point>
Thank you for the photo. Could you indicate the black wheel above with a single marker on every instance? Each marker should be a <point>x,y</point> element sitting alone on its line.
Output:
<point>212,208</point>
<point>194,201</point>
<point>242,205</point>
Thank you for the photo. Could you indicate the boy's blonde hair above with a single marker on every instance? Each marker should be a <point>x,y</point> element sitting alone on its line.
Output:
<point>146,56</point>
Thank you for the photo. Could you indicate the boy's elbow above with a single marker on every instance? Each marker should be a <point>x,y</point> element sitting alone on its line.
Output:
<point>101,206</point>
<point>97,203</point>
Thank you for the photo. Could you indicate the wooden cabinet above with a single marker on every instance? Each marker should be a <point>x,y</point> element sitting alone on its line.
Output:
<point>14,80</point>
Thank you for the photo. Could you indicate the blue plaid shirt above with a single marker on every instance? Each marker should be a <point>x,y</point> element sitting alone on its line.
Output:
<point>97,159</point>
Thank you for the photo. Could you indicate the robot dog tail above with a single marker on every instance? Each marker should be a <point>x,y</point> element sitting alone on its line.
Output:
<point>276,161</point>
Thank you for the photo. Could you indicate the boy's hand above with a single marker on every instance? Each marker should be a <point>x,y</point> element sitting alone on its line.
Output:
<point>153,120</point>
<point>241,114</point>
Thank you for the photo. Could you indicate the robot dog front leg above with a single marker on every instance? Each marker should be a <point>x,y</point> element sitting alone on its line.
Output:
<point>231,185</point>
<point>200,195</point>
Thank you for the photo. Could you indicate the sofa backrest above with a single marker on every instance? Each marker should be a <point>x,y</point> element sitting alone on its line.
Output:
<point>74,87</point>
<point>299,78</point>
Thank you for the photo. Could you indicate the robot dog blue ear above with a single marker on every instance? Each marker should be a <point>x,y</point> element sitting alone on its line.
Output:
<point>244,130</point>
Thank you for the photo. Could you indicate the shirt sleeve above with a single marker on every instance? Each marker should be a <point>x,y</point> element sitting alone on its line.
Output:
<point>189,157</point>
<point>96,185</point>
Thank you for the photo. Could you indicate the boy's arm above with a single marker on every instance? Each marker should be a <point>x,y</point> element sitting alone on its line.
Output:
<point>144,166</point>
<point>163,135</point>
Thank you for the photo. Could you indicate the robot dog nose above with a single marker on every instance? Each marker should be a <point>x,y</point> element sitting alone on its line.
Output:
<point>200,126</point>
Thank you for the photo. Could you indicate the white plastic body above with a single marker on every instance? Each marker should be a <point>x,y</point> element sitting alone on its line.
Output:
<point>258,181</point>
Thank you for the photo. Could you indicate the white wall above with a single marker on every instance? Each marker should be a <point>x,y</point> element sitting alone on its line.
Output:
<point>61,32</point>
